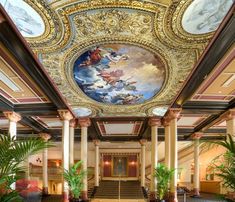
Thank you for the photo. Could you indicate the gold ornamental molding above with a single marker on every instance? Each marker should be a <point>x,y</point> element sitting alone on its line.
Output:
<point>152,25</point>
<point>50,19</point>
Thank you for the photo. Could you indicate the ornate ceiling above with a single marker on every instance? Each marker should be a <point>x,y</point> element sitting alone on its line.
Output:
<point>119,57</point>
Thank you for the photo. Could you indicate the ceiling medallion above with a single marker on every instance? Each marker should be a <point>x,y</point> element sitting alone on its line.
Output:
<point>159,111</point>
<point>119,74</point>
<point>204,16</point>
<point>82,111</point>
<point>26,19</point>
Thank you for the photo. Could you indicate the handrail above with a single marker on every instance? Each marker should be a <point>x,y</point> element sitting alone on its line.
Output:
<point>119,188</point>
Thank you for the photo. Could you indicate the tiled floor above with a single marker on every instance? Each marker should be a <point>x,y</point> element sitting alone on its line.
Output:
<point>204,198</point>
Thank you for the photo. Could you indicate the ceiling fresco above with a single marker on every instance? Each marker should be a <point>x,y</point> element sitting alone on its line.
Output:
<point>203,16</point>
<point>26,19</point>
<point>122,57</point>
<point>119,74</point>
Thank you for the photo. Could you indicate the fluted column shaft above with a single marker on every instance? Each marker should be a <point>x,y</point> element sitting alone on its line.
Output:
<point>143,148</point>
<point>154,123</point>
<point>96,142</point>
<point>172,116</point>
<point>72,126</point>
<point>45,137</point>
<point>13,118</point>
<point>84,123</point>
<point>196,177</point>
<point>167,142</point>
<point>65,116</point>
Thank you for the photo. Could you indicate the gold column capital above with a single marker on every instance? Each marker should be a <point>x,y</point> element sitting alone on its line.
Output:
<point>65,114</point>
<point>84,122</point>
<point>12,116</point>
<point>173,113</point>
<point>165,121</point>
<point>154,121</point>
<point>197,135</point>
<point>96,142</point>
<point>45,136</point>
<point>143,142</point>
<point>73,123</point>
<point>228,115</point>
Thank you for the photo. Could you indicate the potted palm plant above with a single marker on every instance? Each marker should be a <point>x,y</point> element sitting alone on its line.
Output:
<point>224,164</point>
<point>163,175</point>
<point>74,176</point>
<point>12,154</point>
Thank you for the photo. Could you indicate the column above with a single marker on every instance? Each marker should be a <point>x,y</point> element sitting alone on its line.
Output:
<point>167,141</point>
<point>143,147</point>
<point>229,116</point>
<point>72,126</point>
<point>84,123</point>
<point>45,137</point>
<point>173,114</point>
<point>97,154</point>
<point>13,118</point>
<point>154,123</point>
<point>65,116</point>
<point>196,177</point>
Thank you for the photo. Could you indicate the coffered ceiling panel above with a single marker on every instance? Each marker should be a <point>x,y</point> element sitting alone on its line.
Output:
<point>16,85</point>
<point>219,85</point>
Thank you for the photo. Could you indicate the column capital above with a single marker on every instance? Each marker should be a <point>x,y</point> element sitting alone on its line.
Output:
<point>73,123</point>
<point>84,122</point>
<point>12,116</point>
<point>173,113</point>
<point>143,142</point>
<point>228,115</point>
<point>45,136</point>
<point>65,114</point>
<point>154,121</point>
<point>165,121</point>
<point>96,142</point>
<point>196,136</point>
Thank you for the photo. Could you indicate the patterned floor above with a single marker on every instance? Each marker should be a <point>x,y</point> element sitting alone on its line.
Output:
<point>204,198</point>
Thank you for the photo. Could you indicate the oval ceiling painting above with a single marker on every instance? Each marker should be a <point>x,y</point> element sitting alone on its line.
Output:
<point>119,74</point>
<point>26,19</point>
<point>204,16</point>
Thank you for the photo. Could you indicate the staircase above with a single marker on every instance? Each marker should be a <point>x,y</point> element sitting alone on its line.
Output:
<point>128,190</point>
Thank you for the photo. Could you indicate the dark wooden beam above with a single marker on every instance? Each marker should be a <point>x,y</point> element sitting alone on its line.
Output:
<point>5,105</point>
<point>28,121</point>
<point>41,109</point>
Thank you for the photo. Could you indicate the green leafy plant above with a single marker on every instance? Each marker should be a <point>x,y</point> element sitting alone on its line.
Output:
<point>163,175</point>
<point>12,154</point>
<point>74,176</point>
<point>224,164</point>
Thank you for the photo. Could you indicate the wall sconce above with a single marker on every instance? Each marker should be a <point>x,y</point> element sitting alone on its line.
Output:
<point>38,160</point>
<point>133,163</point>
<point>106,163</point>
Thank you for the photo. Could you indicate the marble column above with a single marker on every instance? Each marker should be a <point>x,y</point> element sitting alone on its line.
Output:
<point>229,116</point>
<point>143,148</point>
<point>97,154</point>
<point>154,123</point>
<point>72,126</point>
<point>166,123</point>
<point>172,116</point>
<point>196,177</point>
<point>65,116</point>
<point>45,137</point>
<point>13,118</point>
<point>84,124</point>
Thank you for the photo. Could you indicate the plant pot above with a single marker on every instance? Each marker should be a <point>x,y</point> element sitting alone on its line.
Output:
<point>75,200</point>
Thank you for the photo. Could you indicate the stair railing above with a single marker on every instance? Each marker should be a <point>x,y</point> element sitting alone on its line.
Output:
<point>119,188</point>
